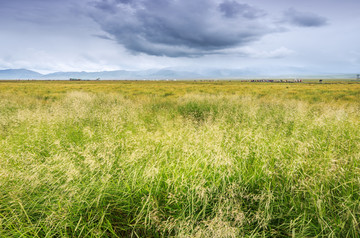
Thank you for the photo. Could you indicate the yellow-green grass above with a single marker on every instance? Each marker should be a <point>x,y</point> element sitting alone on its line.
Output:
<point>344,91</point>
<point>182,159</point>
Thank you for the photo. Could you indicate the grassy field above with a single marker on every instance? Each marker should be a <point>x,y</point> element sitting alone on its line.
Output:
<point>180,159</point>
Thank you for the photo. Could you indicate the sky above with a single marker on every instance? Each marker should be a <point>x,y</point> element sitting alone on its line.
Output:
<point>273,37</point>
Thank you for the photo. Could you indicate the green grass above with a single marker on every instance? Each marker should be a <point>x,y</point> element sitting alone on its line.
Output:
<point>94,164</point>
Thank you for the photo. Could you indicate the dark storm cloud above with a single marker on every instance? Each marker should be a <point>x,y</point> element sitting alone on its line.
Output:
<point>180,28</point>
<point>105,6</point>
<point>304,19</point>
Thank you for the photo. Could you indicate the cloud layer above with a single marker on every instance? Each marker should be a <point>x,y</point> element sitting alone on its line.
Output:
<point>180,28</point>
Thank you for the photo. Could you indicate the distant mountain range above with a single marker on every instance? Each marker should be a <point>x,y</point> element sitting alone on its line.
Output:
<point>121,74</point>
<point>19,74</point>
<point>159,74</point>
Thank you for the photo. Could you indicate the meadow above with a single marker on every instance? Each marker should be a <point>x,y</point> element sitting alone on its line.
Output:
<point>179,159</point>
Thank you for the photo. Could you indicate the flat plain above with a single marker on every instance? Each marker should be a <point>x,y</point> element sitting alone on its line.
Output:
<point>179,159</point>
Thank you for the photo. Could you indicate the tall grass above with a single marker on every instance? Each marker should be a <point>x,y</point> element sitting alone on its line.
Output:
<point>96,165</point>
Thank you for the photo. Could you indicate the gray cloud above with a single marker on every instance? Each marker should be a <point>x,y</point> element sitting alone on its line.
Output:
<point>304,19</point>
<point>104,37</point>
<point>180,28</point>
<point>234,9</point>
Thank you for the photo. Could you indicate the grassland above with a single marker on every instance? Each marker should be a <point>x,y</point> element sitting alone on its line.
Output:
<point>181,159</point>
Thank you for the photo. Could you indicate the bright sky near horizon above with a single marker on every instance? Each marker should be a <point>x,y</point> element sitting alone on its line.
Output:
<point>280,36</point>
